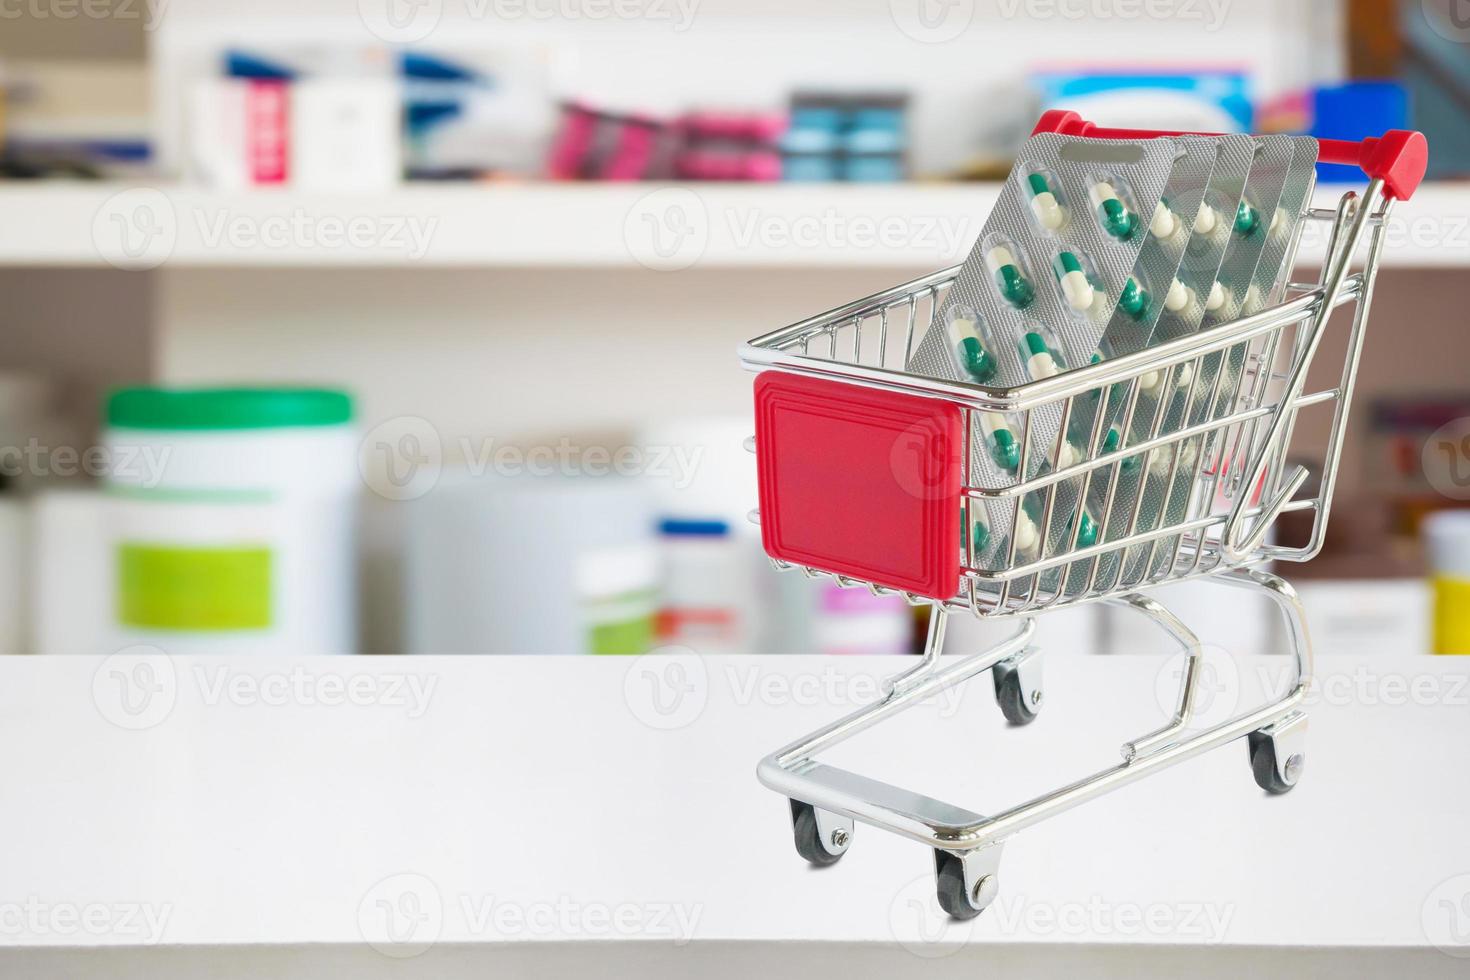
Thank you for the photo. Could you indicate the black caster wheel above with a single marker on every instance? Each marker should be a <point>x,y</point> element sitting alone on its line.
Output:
<point>1018,708</point>
<point>817,848</point>
<point>955,898</point>
<point>1263,765</point>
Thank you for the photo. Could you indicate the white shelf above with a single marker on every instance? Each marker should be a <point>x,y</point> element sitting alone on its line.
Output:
<point>702,226</point>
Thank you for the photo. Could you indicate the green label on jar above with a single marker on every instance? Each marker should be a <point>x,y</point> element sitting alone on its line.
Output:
<point>197,589</point>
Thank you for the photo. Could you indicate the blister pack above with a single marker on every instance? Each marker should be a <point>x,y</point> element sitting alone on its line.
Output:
<point>1078,209</point>
<point>1130,329</point>
<point>1162,396</point>
<point>1171,489</point>
<point>1266,284</point>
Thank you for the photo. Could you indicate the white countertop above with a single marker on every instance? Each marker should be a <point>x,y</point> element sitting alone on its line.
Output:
<point>543,814</point>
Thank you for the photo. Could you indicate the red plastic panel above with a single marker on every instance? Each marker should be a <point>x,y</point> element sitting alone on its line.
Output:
<point>860,482</point>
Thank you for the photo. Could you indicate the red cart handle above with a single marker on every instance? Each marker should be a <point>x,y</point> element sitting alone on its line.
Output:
<point>1397,158</point>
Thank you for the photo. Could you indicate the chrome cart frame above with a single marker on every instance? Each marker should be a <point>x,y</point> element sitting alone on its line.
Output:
<point>1240,486</point>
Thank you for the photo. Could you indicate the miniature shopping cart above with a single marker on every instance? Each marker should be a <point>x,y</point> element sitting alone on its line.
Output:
<point>866,476</point>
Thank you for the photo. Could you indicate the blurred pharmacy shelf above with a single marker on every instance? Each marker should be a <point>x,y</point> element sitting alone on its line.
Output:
<point>916,227</point>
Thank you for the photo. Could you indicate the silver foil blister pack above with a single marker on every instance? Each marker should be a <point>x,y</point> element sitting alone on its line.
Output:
<point>1162,395</point>
<point>1172,491</point>
<point>1034,298</point>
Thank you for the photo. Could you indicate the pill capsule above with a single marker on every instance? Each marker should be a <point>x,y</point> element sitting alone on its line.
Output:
<point>1164,222</point>
<point>1076,288</point>
<point>1217,298</point>
<point>1111,442</point>
<point>1045,207</point>
<point>1014,287</point>
<point>1028,535</point>
<point>1247,219</point>
<point>964,337</point>
<point>1087,535</point>
<point>1040,361</point>
<point>1067,455</point>
<point>1112,212</point>
<point>1135,299</point>
<point>1004,448</point>
<point>1276,223</point>
<point>980,539</point>
<point>1205,219</point>
<point>1160,460</point>
<point>1178,298</point>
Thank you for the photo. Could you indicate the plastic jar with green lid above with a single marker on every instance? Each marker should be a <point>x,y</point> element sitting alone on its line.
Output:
<point>234,518</point>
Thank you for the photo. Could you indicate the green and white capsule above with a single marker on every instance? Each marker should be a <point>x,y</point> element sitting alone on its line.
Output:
<point>1112,211</point>
<point>1206,219</point>
<point>1046,206</point>
<point>1247,219</point>
<point>1077,289</point>
<point>1039,355</point>
<point>1028,535</point>
<point>1221,303</point>
<point>1004,448</point>
<point>1111,442</point>
<point>1010,278</point>
<point>1087,535</point>
<point>1179,298</point>
<point>980,539</point>
<point>1164,222</point>
<point>969,348</point>
<point>1135,300</point>
<point>1218,299</point>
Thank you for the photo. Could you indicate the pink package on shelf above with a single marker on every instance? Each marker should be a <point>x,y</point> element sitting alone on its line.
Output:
<point>267,128</point>
<point>573,143</point>
<point>741,127</point>
<point>760,165</point>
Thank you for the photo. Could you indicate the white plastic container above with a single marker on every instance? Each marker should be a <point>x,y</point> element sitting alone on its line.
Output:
<point>231,519</point>
<point>532,565</point>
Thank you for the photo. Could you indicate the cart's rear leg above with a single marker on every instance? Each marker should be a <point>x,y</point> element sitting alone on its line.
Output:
<point>967,881</point>
<point>822,837</point>
<point>1279,753</point>
<point>1018,686</point>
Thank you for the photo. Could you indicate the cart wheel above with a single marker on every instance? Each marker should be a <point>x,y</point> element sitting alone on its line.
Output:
<point>954,897</point>
<point>1263,765</point>
<point>1018,708</point>
<point>818,846</point>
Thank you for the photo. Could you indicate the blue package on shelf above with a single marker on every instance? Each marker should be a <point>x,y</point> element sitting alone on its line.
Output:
<point>873,169</point>
<point>1211,100</point>
<point>1355,111</point>
<point>809,169</point>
